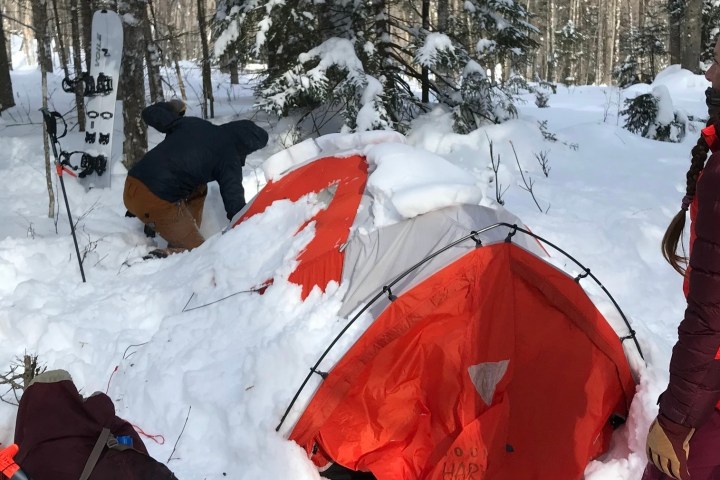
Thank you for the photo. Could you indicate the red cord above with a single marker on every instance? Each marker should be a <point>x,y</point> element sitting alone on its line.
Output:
<point>159,439</point>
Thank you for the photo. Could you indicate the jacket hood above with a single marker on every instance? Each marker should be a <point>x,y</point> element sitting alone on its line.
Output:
<point>160,116</point>
<point>247,136</point>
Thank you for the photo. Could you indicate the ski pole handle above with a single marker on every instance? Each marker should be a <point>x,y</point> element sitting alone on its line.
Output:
<point>51,123</point>
<point>8,467</point>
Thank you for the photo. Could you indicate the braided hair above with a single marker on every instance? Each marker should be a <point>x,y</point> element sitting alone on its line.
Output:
<point>699,153</point>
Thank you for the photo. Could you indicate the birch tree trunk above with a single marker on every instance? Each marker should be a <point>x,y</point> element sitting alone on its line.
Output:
<point>39,20</point>
<point>46,147</point>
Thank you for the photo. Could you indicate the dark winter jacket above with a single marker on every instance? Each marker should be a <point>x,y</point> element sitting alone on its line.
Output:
<point>57,428</point>
<point>694,387</point>
<point>195,152</point>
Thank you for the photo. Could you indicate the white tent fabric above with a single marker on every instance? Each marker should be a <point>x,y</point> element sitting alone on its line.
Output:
<point>375,258</point>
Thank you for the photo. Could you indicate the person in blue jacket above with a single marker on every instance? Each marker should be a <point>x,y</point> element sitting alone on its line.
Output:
<point>167,187</point>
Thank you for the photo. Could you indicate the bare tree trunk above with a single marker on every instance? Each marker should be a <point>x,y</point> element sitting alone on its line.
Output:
<point>537,68</point>
<point>425,73</point>
<point>675,37</point>
<point>611,39</point>
<point>691,36</point>
<point>61,42</point>
<point>175,52</point>
<point>600,43</point>
<point>132,80</point>
<point>77,63</point>
<point>641,13</point>
<point>40,21</point>
<point>550,41</point>
<point>152,60</point>
<point>207,81</point>
<point>234,74</point>
<point>7,99</point>
<point>86,12</point>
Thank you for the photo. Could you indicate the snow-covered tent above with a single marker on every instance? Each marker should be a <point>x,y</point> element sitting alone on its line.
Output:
<point>483,361</point>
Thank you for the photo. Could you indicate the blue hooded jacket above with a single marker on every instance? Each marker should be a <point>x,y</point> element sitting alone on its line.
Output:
<point>195,152</point>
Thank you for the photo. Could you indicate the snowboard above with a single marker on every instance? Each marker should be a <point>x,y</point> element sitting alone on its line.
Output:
<point>101,93</point>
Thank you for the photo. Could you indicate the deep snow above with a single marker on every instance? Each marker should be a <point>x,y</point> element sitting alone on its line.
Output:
<point>230,368</point>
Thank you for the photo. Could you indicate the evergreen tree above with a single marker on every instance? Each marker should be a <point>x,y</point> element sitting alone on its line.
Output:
<point>652,115</point>
<point>625,73</point>
<point>568,41</point>
<point>642,49</point>
<point>650,45</point>
<point>710,29</point>
<point>640,112</point>
<point>358,59</point>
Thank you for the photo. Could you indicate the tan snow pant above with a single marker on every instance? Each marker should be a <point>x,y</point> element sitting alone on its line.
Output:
<point>178,222</point>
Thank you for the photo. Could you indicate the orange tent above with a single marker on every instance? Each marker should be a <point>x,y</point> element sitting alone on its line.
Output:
<point>486,363</point>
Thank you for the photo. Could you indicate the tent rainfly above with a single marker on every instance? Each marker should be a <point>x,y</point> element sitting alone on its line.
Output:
<point>483,361</point>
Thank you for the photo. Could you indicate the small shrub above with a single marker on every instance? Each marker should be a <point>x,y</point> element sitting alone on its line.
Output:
<point>652,116</point>
<point>541,99</point>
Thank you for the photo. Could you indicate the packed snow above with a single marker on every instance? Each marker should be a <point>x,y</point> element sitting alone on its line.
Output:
<point>205,366</point>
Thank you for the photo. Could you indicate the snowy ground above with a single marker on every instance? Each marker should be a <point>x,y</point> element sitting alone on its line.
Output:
<point>229,369</point>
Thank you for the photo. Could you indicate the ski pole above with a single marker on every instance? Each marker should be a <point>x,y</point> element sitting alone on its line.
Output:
<point>51,125</point>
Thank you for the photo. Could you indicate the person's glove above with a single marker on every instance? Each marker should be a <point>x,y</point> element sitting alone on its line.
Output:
<point>668,447</point>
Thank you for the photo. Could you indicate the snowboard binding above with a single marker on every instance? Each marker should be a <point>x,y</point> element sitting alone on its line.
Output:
<point>91,87</point>
<point>92,164</point>
<point>103,85</point>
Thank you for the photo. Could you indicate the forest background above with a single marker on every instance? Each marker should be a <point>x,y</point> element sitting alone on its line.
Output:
<point>349,65</point>
<point>365,64</point>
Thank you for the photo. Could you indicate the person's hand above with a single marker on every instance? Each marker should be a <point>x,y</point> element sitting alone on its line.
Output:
<point>668,447</point>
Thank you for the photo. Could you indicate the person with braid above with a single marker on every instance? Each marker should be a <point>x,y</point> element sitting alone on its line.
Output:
<point>684,440</point>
